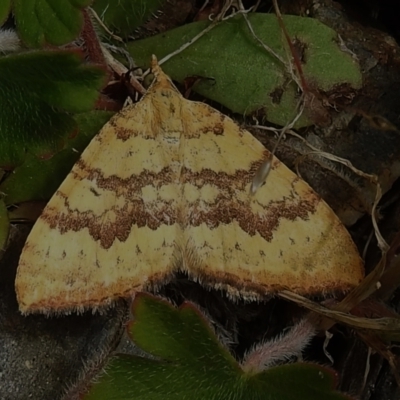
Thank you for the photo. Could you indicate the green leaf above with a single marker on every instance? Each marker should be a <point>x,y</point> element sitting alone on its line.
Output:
<point>56,22</point>
<point>38,179</point>
<point>247,78</point>
<point>124,16</point>
<point>4,224</point>
<point>5,6</point>
<point>38,91</point>
<point>170,343</point>
<point>192,364</point>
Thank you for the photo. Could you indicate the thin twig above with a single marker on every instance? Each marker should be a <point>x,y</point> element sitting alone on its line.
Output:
<point>303,84</point>
<point>189,43</point>
<point>379,325</point>
<point>266,47</point>
<point>370,177</point>
<point>263,171</point>
<point>120,69</point>
<point>101,23</point>
<point>220,17</point>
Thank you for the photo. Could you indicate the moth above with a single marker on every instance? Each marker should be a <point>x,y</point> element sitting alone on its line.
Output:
<point>165,187</point>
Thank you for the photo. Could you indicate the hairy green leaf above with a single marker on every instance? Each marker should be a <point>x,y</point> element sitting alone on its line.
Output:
<point>5,6</point>
<point>39,91</point>
<point>192,364</point>
<point>55,22</point>
<point>246,78</point>
<point>38,179</point>
<point>124,16</point>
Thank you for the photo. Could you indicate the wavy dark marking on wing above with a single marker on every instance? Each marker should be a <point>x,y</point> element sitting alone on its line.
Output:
<point>131,186</point>
<point>226,211</point>
<point>128,186</point>
<point>221,180</point>
<point>116,223</point>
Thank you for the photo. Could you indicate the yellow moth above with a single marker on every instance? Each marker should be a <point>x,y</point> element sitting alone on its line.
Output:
<point>165,187</point>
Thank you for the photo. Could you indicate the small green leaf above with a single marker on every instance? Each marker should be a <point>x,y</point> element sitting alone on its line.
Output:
<point>55,22</point>
<point>124,16</point>
<point>39,90</point>
<point>192,364</point>
<point>247,78</point>
<point>5,6</point>
<point>171,343</point>
<point>38,179</point>
<point>4,224</point>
